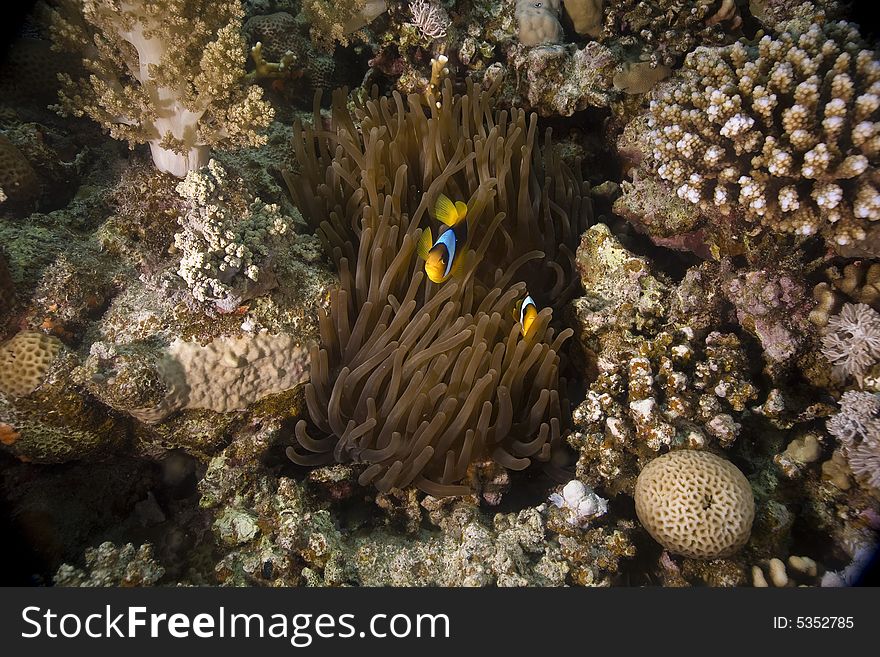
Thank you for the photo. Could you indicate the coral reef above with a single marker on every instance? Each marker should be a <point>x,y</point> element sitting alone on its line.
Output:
<point>245,373</point>
<point>277,533</point>
<point>664,31</point>
<point>109,565</point>
<point>167,73</point>
<point>477,388</point>
<point>562,79</point>
<point>695,503</point>
<point>226,252</point>
<point>281,36</point>
<point>332,22</point>
<point>656,394</point>
<point>780,131</point>
<point>37,372</point>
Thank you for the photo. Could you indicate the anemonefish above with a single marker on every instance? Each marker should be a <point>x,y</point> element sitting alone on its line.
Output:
<point>444,257</point>
<point>525,313</point>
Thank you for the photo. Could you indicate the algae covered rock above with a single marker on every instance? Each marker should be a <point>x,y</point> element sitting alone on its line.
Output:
<point>36,377</point>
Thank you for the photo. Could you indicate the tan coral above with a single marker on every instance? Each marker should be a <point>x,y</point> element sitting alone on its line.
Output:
<point>538,22</point>
<point>695,504</point>
<point>227,374</point>
<point>24,361</point>
<point>753,129</point>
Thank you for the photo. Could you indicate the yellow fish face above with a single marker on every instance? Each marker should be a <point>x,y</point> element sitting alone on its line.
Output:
<point>436,264</point>
<point>443,258</point>
<point>526,312</point>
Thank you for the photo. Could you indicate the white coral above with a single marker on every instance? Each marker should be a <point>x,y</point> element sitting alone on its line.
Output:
<point>225,258</point>
<point>857,427</point>
<point>852,343</point>
<point>580,502</point>
<point>430,19</point>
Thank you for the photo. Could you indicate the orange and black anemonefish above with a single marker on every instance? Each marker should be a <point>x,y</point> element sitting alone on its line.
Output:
<point>444,258</point>
<point>525,312</point>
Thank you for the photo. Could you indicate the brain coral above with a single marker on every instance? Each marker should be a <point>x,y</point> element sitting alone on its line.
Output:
<point>24,361</point>
<point>784,130</point>
<point>695,504</point>
<point>36,376</point>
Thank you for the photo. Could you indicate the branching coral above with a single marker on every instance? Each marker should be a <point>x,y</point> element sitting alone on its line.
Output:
<point>166,72</point>
<point>226,252</point>
<point>784,131</point>
<point>418,380</point>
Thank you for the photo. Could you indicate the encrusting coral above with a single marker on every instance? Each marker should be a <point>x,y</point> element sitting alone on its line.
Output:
<point>782,131</point>
<point>166,72</point>
<point>538,22</point>
<point>418,380</point>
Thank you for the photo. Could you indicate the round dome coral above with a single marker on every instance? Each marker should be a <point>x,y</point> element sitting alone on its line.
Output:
<point>695,504</point>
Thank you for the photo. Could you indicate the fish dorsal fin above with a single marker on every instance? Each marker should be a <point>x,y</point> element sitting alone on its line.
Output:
<point>446,211</point>
<point>426,241</point>
<point>461,210</point>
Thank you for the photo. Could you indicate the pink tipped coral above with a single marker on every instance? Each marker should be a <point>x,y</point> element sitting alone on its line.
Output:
<point>852,343</point>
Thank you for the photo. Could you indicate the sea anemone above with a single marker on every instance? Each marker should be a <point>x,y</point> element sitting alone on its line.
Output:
<point>418,380</point>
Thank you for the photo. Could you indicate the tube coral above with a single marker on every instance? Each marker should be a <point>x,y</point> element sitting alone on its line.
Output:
<point>168,73</point>
<point>416,380</point>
